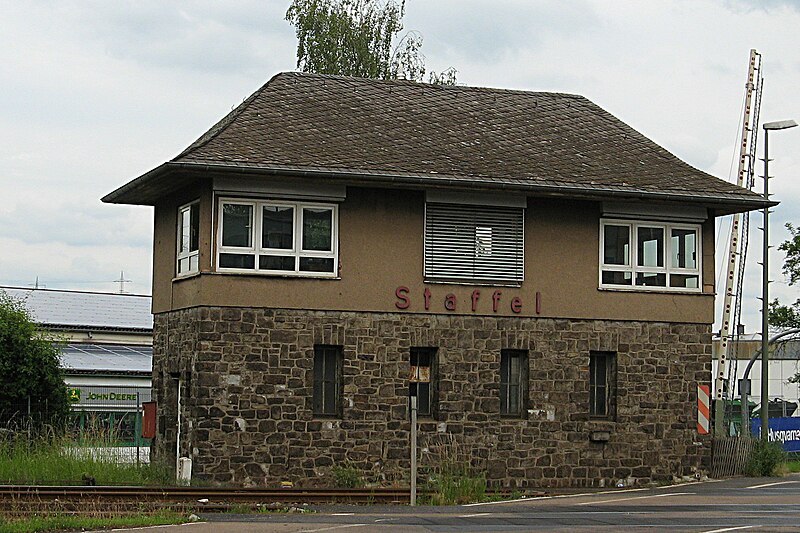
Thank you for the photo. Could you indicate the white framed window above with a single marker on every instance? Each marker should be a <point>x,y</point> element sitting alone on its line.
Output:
<point>474,243</point>
<point>277,237</point>
<point>650,255</point>
<point>188,239</point>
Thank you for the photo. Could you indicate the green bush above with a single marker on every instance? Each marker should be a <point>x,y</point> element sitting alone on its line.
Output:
<point>31,380</point>
<point>765,459</point>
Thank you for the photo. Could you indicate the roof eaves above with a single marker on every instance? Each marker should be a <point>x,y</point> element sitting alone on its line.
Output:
<point>747,199</point>
<point>105,372</point>
<point>89,327</point>
<point>144,191</point>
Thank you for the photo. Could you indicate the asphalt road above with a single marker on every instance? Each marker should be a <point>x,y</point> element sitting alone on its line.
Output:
<point>744,504</point>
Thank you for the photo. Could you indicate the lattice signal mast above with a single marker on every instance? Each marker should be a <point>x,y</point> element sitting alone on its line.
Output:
<point>746,149</point>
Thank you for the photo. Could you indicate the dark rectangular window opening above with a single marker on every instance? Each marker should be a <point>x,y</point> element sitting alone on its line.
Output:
<point>602,385</point>
<point>422,381</point>
<point>328,380</point>
<point>513,383</point>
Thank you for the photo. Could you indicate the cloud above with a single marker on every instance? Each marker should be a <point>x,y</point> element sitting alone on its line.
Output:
<point>766,6</point>
<point>63,266</point>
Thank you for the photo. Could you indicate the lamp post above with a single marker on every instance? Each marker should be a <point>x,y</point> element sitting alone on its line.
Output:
<point>768,126</point>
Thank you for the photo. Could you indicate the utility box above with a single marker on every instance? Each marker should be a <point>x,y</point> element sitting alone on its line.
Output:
<point>184,470</point>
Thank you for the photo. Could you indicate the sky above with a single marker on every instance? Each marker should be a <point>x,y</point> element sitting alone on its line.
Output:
<point>95,93</point>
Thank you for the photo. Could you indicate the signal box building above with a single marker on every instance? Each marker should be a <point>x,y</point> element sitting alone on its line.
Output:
<point>539,274</point>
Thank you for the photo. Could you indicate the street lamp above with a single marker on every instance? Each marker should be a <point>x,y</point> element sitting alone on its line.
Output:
<point>768,126</point>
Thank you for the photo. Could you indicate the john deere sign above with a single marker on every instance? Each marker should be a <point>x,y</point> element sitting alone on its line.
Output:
<point>98,396</point>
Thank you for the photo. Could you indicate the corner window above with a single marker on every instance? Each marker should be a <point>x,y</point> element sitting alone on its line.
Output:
<point>513,382</point>
<point>643,255</point>
<point>602,384</point>
<point>188,239</point>
<point>327,380</point>
<point>473,243</point>
<point>422,380</point>
<point>298,239</point>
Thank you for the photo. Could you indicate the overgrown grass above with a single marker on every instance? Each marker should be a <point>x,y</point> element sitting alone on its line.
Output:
<point>49,459</point>
<point>79,523</point>
<point>792,466</point>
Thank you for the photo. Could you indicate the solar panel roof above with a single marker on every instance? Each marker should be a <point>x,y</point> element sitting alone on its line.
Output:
<point>115,358</point>
<point>86,309</point>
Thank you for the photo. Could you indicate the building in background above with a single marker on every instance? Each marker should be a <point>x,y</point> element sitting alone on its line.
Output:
<point>107,358</point>
<point>784,363</point>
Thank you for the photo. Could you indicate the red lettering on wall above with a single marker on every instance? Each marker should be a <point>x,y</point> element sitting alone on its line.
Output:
<point>403,301</point>
<point>496,300</point>
<point>450,302</point>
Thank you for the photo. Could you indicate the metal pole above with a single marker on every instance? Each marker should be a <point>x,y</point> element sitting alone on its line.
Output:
<point>137,428</point>
<point>765,303</point>
<point>413,450</point>
<point>178,437</point>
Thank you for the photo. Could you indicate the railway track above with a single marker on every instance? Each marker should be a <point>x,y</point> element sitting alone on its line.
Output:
<point>22,499</point>
<point>114,500</point>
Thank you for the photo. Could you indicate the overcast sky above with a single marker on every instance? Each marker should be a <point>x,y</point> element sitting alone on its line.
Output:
<point>95,93</point>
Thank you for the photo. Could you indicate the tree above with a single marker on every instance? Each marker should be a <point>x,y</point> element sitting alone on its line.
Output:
<point>30,374</point>
<point>788,316</point>
<point>355,38</point>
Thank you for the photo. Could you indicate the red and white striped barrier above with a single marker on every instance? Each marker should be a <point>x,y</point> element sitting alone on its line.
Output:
<point>703,408</point>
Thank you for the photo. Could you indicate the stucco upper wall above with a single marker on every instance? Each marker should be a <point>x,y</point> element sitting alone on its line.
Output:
<point>381,249</point>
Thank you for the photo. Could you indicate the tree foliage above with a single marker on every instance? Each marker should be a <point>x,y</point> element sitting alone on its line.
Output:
<point>356,38</point>
<point>30,374</point>
<point>788,316</point>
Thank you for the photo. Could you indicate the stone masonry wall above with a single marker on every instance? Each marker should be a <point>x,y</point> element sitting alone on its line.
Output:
<point>246,380</point>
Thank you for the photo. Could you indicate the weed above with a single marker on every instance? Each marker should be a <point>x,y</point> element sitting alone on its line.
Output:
<point>346,476</point>
<point>454,480</point>
<point>240,508</point>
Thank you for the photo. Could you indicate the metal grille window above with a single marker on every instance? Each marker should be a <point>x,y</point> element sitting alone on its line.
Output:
<point>188,239</point>
<point>513,382</point>
<point>422,380</point>
<point>601,384</point>
<point>327,380</point>
<point>475,243</point>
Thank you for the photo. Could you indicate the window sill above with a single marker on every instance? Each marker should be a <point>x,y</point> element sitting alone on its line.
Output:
<point>190,275</point>
<point>239,273</point>
<point>655,290</point>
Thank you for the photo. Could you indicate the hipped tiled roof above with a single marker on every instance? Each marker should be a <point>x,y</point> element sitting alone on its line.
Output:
<point>450,136</point>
